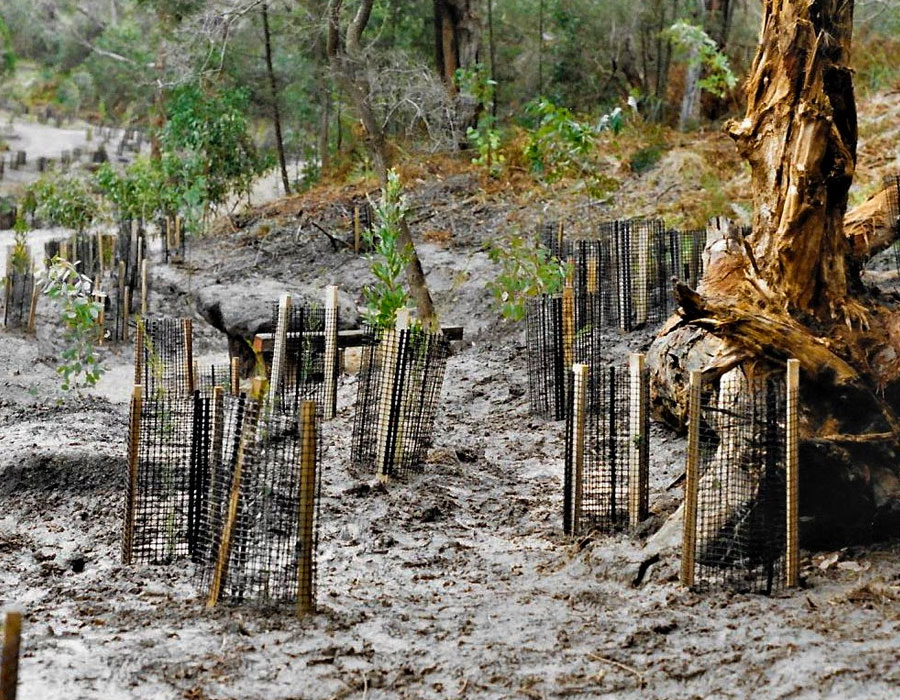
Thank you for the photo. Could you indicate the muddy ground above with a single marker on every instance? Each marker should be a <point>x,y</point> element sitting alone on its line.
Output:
<point>458,583</point>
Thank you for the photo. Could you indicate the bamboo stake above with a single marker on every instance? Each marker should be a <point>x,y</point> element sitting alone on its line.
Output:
<point>792,475</point>
<point>32,309</point>
<point>248,437</point>
<point>579,404</point>
<point>281,330</point>
<point>592,276</point>
<point>306,524</point>
<point>12,642</point>
<point>331,341</point>
<point>559,237</point>
<point>637,442</point>
<point>134,441</point>
<point>189,354</point>
<point>388,417</point>
<point>691,484</point>
<point>357,230</point>
<point>122,288</point>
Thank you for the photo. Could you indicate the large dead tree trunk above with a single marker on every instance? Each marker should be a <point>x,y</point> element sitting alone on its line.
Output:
<point>792,289</point>
<point>457,37</point>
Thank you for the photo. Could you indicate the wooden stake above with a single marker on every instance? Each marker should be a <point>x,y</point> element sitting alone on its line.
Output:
<point>638,445</point>
<point>278,358</point>
<point>592,287</point>
<point>306,524</point>
<point>178,232</point>
<point>12,642</point>
<point>792,475</point>
<point>122,288</point>
<point>579,410</point>
<point>640,284</point>
<point>692,482</point>
<point>559,237</point>
<point>189,354</point>
<point>100,298</point>
<point>568,326</point>
<point>331,350</point>
<point>126,313</point>
<point>139,352</point>
<point>357,230</point>
<point>134,441</point>
<point>144,288</point>
<point>248,437</point>
<point>388,414</point>
<point>32,309</point>
<point>100,252</point>
<point>235,376</point>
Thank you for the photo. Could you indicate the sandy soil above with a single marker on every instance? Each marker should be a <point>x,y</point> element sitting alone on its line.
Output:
<point>455,584</point>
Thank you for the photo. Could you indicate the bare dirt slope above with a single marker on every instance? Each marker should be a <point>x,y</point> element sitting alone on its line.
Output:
<point>457,583</point>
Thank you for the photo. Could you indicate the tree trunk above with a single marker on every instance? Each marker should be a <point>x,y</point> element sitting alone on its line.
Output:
<point>347,63</point>
<point>791,288</point>
<point>690,100</point>
<point>276,112</point>
<point>457,38</point>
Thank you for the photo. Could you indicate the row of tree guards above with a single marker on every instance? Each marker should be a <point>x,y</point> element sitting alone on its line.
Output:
<point>231,477</point>
<point>117,264</point>
<point>740,524</point>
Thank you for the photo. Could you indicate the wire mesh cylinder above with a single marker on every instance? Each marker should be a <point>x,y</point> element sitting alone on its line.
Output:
<point>260,520</point>
<point>607,448</point>
<point>400,379</point>
<point>18,287</point>
<point>303,374</point>
<point>740,483</point>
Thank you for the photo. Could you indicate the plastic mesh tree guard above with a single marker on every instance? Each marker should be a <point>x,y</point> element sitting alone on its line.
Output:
<point>168,464</point>
<point>889,259</point>
<point>400,379</point>
<point>607,448</point>
<point>739,454</point>
<point>233,486</point>
<point>260,523</point>
<point>560,330</point>
<point>631,263</point>
<point>303,374</point>
<point>18,288</point>
<point>164,357</point>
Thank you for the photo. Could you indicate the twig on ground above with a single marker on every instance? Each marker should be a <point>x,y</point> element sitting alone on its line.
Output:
<point>620,665</point>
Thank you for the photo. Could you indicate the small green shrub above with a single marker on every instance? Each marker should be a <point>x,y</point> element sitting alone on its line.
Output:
<point>62,200</point>
<point>527,269</point>
<point>645,158</point>
<point>79,363</point>
<point>388,262</point>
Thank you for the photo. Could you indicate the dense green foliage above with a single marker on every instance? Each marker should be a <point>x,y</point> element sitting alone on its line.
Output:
<point>62,200</point>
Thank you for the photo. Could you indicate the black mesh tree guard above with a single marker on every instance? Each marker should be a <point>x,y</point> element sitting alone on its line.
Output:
<point>740,505</point>
<point>168,467</point>
<point>607,447</point>
<point>18,288</point>
<point>260,523</point>
<point>303,375</point>
<point>164,362</point>
<point>231,485</point>
<point>560,330</point>
<point>400,379</point>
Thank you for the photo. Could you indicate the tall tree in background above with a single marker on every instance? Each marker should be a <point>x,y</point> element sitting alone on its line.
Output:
<point>457,37</point>
<point>791,288</point>
<point>276,110</point>
<point>348,61</point>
